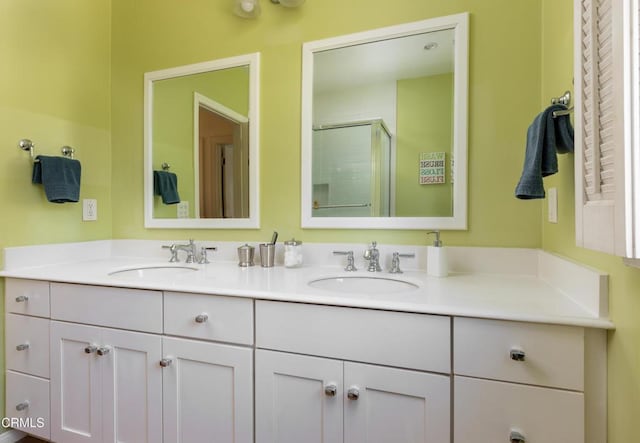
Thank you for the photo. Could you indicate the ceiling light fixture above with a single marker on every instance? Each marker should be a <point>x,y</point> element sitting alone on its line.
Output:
<point>247,8</point>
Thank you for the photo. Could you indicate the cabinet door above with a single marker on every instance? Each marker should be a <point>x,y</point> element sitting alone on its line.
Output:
<point>131,387</point>
<point>387,405</point>
<point>295,401</point>
<point>76,391</point>
<point>208,392</point>
<point>490,411</point>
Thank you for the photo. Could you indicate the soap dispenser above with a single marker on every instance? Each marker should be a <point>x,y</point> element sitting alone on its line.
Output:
<point>437,265</point>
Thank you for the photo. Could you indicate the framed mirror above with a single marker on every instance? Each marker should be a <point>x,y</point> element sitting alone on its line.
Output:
<point>384,127</point>
<point>201,145</point>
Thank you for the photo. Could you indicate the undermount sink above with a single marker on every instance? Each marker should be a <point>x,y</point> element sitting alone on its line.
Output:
<point>152,271</point>
<point>363,284</point>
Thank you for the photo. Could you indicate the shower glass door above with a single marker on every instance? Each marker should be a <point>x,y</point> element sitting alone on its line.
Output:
<point>351,170</point>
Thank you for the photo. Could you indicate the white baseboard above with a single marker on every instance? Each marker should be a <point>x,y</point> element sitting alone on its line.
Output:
<point>11,436</point>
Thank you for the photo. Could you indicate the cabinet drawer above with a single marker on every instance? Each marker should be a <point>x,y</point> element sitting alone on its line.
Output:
<point>488,411</point>
<point>29,297</point>
<point>27,404</point>
<point>405,340</point>
<point>134,309</point>
<point>553,354</point>
<point>27,344</point>
<point>209,317</point>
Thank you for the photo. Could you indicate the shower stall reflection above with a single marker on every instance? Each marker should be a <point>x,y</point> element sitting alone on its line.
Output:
<point>352,170</point>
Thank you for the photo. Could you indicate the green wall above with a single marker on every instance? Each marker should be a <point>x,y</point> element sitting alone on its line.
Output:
<point>502,72</point>
<point>624,282</point>
<point>55,90</point>
<point>425,124</point>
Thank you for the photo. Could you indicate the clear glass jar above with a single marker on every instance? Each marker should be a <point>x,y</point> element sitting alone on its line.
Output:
<point>292,253</point>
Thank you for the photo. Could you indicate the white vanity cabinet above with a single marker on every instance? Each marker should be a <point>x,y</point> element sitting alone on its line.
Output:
<point>27,355</point>
<point>517,382</point>
<point>207,387</point>
<point>331,399</point>
<point>106,383</point>
<point>106,364</point>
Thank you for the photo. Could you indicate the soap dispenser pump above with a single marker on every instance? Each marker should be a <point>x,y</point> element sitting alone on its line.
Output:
<point>437,265</point>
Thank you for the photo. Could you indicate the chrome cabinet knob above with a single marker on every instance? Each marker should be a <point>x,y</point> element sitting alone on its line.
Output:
<point>330,390</point>
<point>90,349</point>
<point>353,393</point>
<point>103,350</point>
<point>517,355</point>
<point>22,298</point>
<point>22,347</point>
<point>165,362</point>
<point>516,437</point>
<point>22,406</point>
<point>202,318</point>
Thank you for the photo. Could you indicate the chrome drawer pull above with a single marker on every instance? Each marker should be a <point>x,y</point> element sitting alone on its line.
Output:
<point>202,318</point>
<point>330,390</point>
<point>517,355</point>
<point>103,351</point>
<point>22,347</point>
<point>516,437</point>
<point>90,349</point>
<point>165,362</point>
<point>22,298</point>
<point>353,393</point>
<point>22,406</point>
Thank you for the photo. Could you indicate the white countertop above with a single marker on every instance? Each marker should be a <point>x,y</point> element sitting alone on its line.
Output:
<point>510,296</point>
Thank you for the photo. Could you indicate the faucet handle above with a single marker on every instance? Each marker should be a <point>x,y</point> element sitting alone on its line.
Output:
<point>395,262</point>
<point>203,254</point>
<point>350,260</point>
<point>174,252</point>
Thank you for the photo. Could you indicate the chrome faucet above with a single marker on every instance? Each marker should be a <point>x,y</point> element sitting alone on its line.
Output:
<point>373,256</point>
<point>189,248</point>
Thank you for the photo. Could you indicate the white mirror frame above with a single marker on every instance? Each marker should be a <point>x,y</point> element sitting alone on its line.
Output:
<point>460,24</point>
<point>253,221</point>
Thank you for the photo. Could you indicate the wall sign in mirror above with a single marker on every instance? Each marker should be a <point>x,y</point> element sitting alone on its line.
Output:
<point>384,128</point>
<point>201,145</point>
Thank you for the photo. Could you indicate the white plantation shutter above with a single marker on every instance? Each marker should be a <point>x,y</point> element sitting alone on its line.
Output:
<point>632,128</point>
<point>604,135</point>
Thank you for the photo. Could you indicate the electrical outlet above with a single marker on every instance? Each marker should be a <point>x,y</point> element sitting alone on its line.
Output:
<point>183,209</point>
<point>552,198</point>
<point>89,209</point>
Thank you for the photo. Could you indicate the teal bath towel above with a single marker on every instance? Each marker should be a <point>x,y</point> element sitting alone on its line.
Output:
<point>165,184</point>
<point>60,177</point>
<point>546,137</point>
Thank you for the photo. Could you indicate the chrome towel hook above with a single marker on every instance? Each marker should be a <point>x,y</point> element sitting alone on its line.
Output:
<point>27,145</point>
<point>564,99</point>
<point>67,151</point>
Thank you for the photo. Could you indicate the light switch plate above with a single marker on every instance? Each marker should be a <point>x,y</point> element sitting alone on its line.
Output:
<point>552,199</point>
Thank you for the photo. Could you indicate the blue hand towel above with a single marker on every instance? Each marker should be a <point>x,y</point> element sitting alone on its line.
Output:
<point>545,137</point>
<point>165,184</point>
<point>60,177</point>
